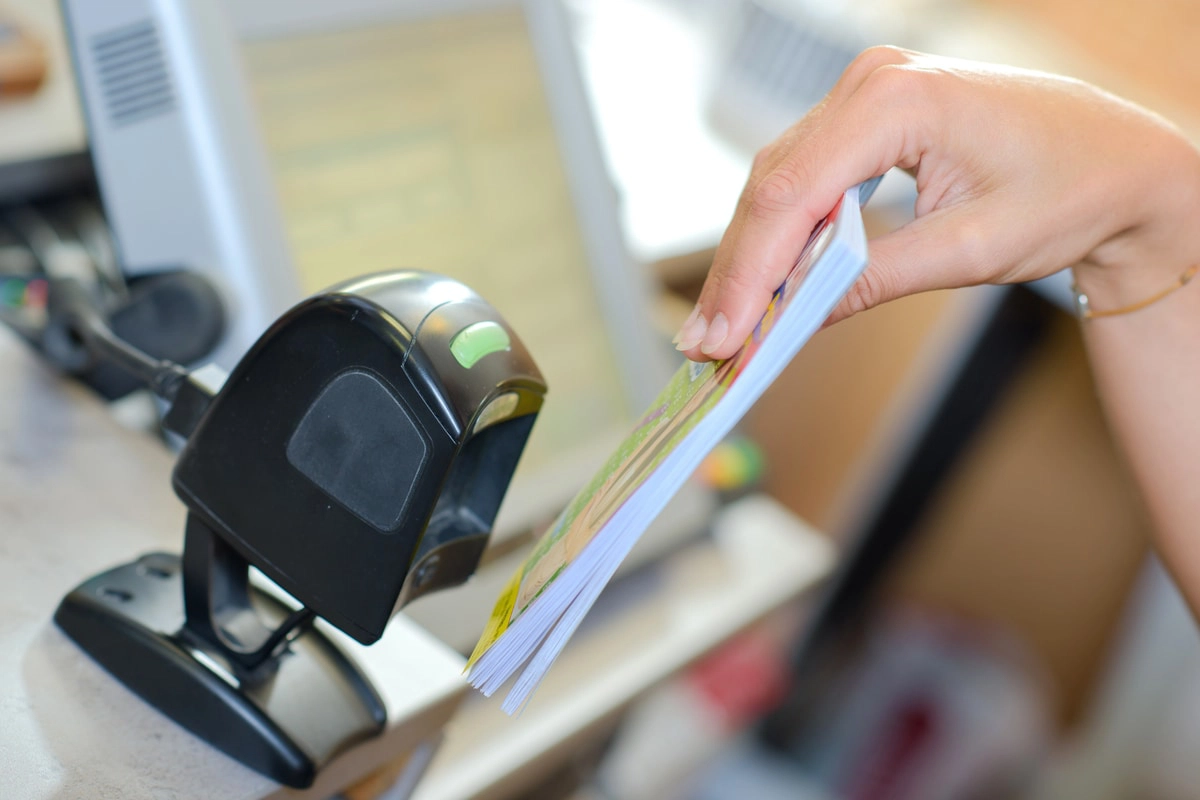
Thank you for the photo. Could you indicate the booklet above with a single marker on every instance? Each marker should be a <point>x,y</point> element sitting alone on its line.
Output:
<point>548,596</point>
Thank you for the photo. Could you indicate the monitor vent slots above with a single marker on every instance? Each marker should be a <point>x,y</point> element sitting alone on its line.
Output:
<point>133,73</point>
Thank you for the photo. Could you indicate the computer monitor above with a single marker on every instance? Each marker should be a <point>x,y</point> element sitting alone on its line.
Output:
<point>178,157</point>
<point>457,138</point>
<point>286,146</point>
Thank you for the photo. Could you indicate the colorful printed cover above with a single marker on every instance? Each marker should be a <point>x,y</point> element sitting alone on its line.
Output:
<point>691,394</point>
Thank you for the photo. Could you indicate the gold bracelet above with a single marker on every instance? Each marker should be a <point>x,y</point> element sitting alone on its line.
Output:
<point>1084,309</point>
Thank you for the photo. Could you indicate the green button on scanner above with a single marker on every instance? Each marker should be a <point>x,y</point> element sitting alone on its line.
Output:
<point>478,340</point>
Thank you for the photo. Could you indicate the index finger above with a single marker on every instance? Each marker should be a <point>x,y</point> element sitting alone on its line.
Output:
<point>859,135</point>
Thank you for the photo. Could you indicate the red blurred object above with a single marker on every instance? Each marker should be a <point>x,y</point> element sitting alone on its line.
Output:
<point>742,680</point>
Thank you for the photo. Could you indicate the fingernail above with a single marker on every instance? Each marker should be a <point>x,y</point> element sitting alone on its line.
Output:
<point>715,336</point>
<point>692,332</point>
<point>695,313</point>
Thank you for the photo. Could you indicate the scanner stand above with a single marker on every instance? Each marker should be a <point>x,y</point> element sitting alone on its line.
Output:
<point>244,671</point>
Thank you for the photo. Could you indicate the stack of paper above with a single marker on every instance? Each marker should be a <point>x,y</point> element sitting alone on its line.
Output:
<point>546,599</point>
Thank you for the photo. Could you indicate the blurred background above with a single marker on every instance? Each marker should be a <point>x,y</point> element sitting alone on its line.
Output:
<point>992,623</point>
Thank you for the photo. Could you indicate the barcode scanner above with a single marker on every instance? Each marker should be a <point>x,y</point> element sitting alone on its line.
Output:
<point>358,453</point>
<point>357,456</point>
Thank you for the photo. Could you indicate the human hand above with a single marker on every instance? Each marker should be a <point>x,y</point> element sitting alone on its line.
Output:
<point>1019,175</point>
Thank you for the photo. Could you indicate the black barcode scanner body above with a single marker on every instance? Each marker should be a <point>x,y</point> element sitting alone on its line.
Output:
<point>358,454</point>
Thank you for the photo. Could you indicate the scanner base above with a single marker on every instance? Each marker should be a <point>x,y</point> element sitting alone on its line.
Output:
<point>285,721</point>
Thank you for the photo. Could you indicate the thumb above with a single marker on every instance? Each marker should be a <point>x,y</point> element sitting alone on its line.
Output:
<point>940,250</point>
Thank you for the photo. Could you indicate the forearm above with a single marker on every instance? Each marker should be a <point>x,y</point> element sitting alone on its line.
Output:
<point>1147,362</point>
<point>1147,370</point>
